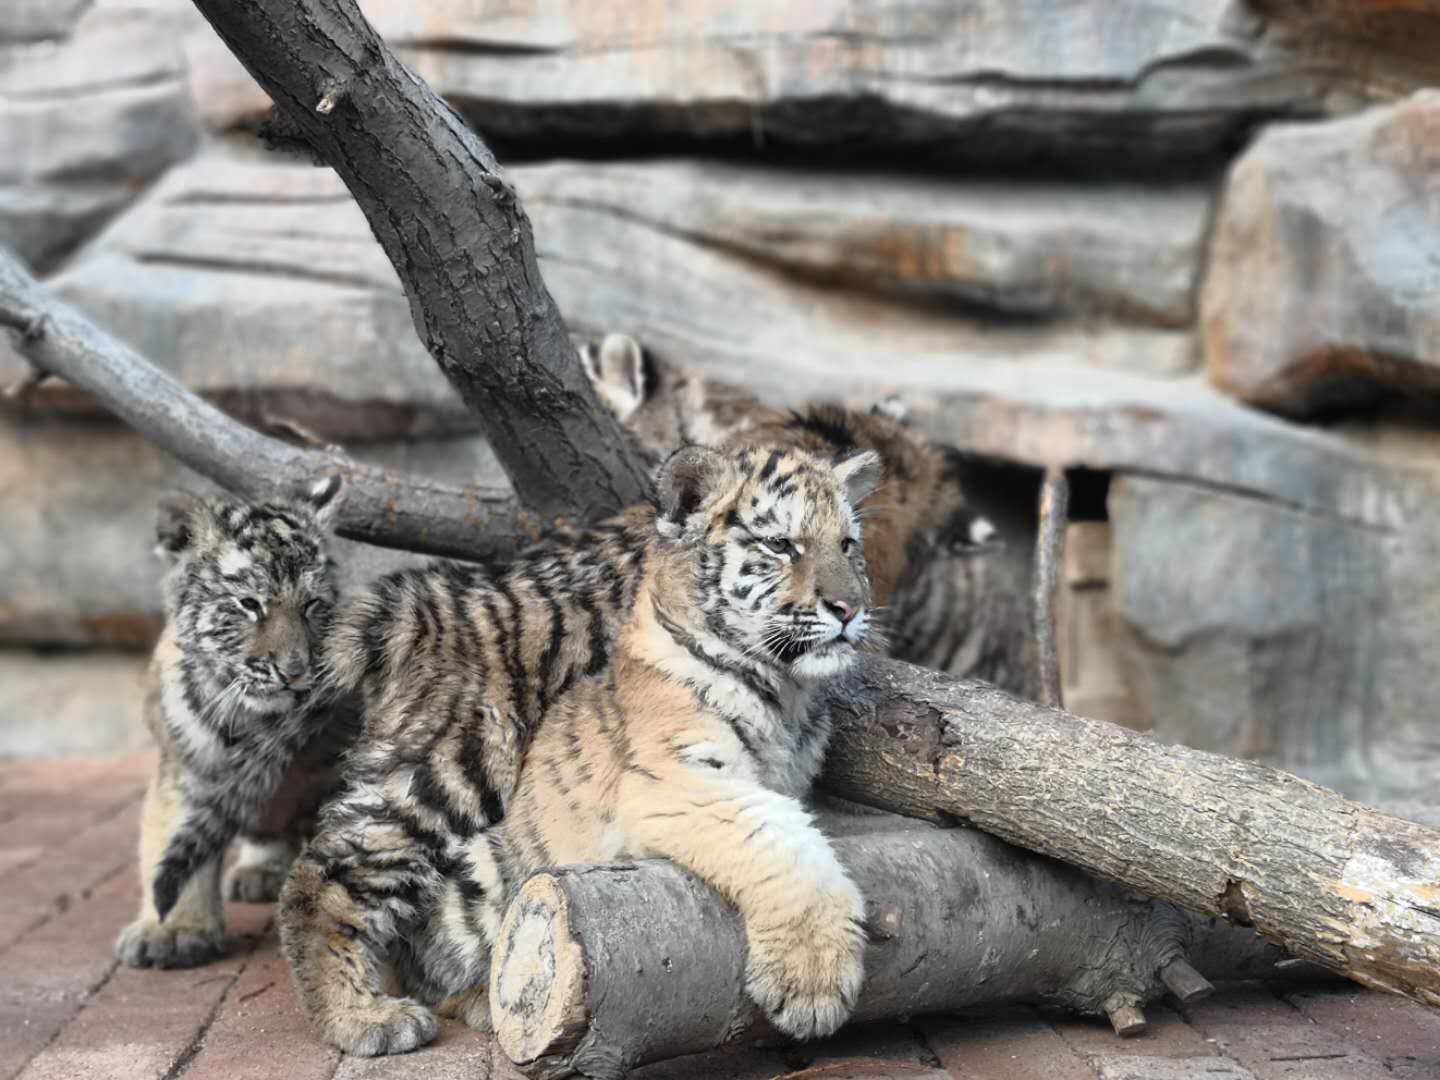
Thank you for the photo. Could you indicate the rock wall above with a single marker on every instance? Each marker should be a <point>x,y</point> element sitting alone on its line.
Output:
<point>1183,248</point>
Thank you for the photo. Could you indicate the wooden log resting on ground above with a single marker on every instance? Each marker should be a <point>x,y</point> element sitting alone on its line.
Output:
<point>601,969</point>
<point>1334,882</point>
<point>380,507</point>
<point>457,236</point>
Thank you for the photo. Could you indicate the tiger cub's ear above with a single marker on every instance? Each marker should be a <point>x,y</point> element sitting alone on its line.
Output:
<point>617,371</point>
<point>181,524</point>
<point>690,478</point>
<point>860,473</point>
<point>325,497</point>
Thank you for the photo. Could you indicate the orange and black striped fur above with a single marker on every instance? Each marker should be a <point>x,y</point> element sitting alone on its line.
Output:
<point>733,600</point>
<point>942,603</point>
<point>243,750</point>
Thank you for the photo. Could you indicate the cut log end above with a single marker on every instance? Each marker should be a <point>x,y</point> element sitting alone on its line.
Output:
<point>537,977</point>
<point>1187,984</point>
<point>1126,1016</point>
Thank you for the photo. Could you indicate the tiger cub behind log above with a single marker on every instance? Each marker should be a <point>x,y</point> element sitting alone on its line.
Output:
<point>747,589</point>
<point>242,753</point>
<point>944,601</point>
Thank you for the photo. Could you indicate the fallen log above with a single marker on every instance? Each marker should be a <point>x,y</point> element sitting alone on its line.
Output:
<point>600,969</point>
<point>1334,882</point>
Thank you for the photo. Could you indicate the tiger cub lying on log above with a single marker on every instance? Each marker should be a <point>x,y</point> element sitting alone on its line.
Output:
<point>242,753</point>
<point>744,590</point>
<point>944,602</point>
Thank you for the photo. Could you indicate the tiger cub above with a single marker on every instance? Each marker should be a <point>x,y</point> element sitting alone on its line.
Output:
<point>696,743</point>
<point>247,595</point>
<point>945,601</point>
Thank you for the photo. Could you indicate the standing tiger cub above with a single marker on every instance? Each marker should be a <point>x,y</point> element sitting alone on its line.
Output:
<point>247,597</point>
<point>697,743</point>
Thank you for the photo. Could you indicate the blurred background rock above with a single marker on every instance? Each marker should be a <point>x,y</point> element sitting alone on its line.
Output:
<point>1186,248</point>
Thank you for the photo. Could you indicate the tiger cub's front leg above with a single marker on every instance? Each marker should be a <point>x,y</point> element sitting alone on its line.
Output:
<point>804,917</point>
<point>193,932</point>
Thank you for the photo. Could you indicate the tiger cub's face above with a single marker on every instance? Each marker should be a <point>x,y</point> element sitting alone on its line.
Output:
<point>780,569</point>
<point>250,589</point>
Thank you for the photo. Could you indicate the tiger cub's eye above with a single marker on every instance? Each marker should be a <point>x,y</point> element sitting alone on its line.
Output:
<point>778,545</point>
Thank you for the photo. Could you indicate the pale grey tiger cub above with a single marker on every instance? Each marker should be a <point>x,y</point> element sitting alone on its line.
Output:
<point>247,596</point>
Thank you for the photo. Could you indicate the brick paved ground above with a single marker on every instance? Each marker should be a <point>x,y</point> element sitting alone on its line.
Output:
<point>68,1012</point>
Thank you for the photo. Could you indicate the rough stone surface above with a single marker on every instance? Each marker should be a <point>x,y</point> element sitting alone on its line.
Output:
<point>261,284</point>
<point>1376,50</point>
<point>723,308</point>
<point>76,561</point>
<point>1322,280</point>
<point>264,288</point>
<point>93,106</point>
<point>1038,248</point>
<point>1162,80</point>
<point>1268,631</point>
<point>70,703</point>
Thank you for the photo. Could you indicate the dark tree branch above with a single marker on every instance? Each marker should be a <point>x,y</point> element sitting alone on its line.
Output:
<point>381,507</point>
<point>454,230</point>
<point>1049,557</point>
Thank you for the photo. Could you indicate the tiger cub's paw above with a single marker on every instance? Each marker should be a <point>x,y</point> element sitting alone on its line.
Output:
<point>389,1026</point>
<point>806,973</point>
<point>145,944</point>
<point>256,883</point>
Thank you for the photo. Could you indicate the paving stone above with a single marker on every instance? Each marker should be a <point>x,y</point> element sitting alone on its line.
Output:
<point>52,883</point>
<point>1277,1042</point>
<point>869,1069</point>
<point>46,977</point>
<point>732,1063</point>
<point>460,1053</point>
<point>1401,1032</point>
<point>1013,1044</point>
<point>885,1041</point>
<point>142,1024</point>
<point>49,826</point>
<point>261,1031</point>
<point>1168,1035</point>
<point>1165,1068</point>
<point>58,782</point>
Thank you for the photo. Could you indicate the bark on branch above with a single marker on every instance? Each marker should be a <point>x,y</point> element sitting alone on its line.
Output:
<point>1336,883</point>
<point>1049,559</point>
<point>453,228</point>
<point>381,507</point>
<point>601,969</point>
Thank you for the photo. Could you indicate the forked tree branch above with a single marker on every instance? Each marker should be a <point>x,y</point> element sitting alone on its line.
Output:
<point>455,231</point>
<point>381,507</point>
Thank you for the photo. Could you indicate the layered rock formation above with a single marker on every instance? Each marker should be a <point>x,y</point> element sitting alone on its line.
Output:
<point>1037,222</point>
